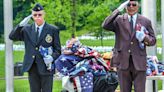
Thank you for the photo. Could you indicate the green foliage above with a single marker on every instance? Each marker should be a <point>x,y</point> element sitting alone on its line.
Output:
<point>1,17</point>
<point>159,43</point>
<point>89,14</point>
<point>97,13</point>
<point>158,10</point>
<point>1,38</point>
<point>21,9</point>
<point>57,12</point>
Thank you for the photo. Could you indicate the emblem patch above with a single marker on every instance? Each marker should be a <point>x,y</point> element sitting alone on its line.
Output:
<point>38,8</point>
<point>48,38</point>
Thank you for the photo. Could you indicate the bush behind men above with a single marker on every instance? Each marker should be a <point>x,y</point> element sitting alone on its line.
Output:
<point>42,47</point>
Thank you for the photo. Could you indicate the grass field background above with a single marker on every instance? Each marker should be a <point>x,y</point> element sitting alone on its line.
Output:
<point>22,85</point>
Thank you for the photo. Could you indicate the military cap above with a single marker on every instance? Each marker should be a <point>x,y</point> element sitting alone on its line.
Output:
<point>38,7</point>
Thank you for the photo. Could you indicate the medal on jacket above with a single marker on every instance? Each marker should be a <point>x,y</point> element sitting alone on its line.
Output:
<point>48,38</point>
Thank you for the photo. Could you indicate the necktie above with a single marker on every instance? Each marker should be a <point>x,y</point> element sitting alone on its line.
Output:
<point>131,23</point>
<point>37,34</point>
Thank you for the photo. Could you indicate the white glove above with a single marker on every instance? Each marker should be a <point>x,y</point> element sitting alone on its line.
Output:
<point>140,34</point>
<point>48,59</point>
<point>25,20</point>
<point>50,51</point>
<point>123,5</point>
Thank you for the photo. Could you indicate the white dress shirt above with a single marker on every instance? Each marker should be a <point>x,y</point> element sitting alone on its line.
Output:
<point>40,28</point>
<point>134,19</point>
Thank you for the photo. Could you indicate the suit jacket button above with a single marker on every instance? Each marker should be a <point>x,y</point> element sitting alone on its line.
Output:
<point>33,56</point>
<point>146,43</point>
<point>36,48</point>
<point>131,43</point>
<point>129,51</point>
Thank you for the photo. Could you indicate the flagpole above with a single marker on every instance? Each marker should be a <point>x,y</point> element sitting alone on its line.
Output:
<point>149,11</point>
<point>8,26</point>
<point>162,29</point>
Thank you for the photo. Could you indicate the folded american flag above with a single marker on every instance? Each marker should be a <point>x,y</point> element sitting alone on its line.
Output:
<point>84,83</point>
<point>79,83</point>
<point>66,62</point>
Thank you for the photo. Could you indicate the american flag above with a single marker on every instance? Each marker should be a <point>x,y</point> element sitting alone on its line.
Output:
<point>66,62</point>
<point>84,83</point>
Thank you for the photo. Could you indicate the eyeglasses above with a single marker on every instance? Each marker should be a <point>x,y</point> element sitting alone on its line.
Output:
<point>133,4</point>
<point>39,15</point>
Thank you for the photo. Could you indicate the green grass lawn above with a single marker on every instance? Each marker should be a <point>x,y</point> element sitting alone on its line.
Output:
<point>20,85</point>
<point>110,42</point>
<point>18,57</point>
<point>2,64</point>
<point>98,42</point>
<point>23,85</point>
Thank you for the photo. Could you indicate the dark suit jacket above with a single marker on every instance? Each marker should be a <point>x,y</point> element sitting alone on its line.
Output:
<point>126,43</point>
<point>49,37</point>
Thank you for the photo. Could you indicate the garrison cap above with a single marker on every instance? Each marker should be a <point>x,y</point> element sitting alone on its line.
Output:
<point>38,7</point>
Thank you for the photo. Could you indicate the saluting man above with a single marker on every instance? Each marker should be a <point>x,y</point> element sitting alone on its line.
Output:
<point>42,47</point>
<point>133,33</point>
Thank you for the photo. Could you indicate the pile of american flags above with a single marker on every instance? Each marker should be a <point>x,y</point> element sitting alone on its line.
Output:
<point>79,69</point>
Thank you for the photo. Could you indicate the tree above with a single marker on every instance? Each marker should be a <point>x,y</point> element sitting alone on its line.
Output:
<point>73,16</point>
<point>21,9</point>
<point>88,14</point>
<point>94,12</point>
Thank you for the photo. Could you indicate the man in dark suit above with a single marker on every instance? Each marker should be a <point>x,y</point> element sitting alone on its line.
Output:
<point>133,32</point>
<point>37,36</point>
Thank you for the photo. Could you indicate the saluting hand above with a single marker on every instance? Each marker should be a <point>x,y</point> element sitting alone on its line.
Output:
<point>25,20</point>
<point>123,5</point>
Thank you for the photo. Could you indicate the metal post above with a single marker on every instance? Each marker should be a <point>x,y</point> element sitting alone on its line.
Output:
<point>149,11</point>
<point>162,30</point>
<point>8,26</point>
